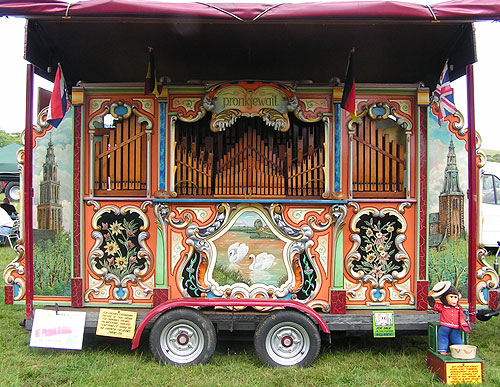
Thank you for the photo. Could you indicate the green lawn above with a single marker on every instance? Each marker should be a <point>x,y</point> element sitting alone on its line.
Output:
<point>353,361</point>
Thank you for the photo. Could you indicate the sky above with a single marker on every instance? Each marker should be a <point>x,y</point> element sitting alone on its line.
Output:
<point>487,82</point>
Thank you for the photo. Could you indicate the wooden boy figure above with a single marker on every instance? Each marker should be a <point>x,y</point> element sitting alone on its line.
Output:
<point>452,318</point>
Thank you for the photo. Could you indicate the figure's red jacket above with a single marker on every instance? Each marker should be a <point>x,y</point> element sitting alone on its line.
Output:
<point>452,316</point>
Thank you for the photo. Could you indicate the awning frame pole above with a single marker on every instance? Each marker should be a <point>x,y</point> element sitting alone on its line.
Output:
<point>28,192</point>
<point>473,194</point>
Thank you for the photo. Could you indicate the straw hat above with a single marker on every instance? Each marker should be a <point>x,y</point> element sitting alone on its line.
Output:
<point>440,288</point>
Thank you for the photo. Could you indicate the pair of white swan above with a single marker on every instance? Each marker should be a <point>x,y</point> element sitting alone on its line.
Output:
<point>262,261</point>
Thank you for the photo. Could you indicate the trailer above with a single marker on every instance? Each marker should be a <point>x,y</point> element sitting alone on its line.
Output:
<point>234,193</point>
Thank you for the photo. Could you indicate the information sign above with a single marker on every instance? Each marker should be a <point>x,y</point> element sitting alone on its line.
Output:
<point>62,330</point>
<point>116,323</point>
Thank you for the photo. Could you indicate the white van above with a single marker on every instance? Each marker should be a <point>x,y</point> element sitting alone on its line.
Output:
<point>490,207</point>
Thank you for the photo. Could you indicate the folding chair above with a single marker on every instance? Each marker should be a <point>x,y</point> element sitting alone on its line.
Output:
<point>12,234</point>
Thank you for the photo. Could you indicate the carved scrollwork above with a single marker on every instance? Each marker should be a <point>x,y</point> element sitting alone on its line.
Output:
<point>120,255</point>
<point>381,111</point>
<point>201,273</point>
<point>487,276</point>
<point>378,256</point>
<point>120,111</point>
<point>14,272</point>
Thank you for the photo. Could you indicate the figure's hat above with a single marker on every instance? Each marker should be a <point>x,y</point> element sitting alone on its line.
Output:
<point>440,288</point>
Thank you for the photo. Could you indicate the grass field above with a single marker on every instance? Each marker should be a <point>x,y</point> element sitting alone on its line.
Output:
<point>352,361</point>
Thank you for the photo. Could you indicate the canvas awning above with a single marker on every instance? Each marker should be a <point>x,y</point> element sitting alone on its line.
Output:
<point>107,40</point>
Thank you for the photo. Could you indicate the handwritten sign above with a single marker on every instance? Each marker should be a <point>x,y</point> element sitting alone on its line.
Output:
<point>383,324</point>
<point>116,323</point>
<point>62,330</point>
<point>463,373</point>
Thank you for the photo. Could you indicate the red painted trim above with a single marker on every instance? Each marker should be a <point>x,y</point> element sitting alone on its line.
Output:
<point>212,302</point>
<point>76,292</point>
<point>9,294</point>
<point>77,130</point>
<point>473,194</point>
<point>422,291</point>
<point>422,262</point>
<point>28,191</point>
<point>159,296</point>
<point>338,300</point>
<point>492,298</point>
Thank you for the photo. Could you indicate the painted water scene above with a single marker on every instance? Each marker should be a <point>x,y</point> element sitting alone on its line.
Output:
<point>250,253</point>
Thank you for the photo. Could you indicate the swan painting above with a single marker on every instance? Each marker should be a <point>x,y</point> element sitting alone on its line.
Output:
<point>236,252</point>
<point>261,262</point>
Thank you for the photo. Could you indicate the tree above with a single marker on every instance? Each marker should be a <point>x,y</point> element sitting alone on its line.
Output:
<point>9,138</point>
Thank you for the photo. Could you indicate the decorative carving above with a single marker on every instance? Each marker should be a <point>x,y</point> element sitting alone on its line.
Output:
<point>378,256</point>
<point>120,111</point>
<point>228,102</point>
<point>380,111</point>
<point>281,267</point>
<point>487,276</point>
<point>311,109</point>
<point>188,109</point>
<point>120,255</point>
<point>14,272</point>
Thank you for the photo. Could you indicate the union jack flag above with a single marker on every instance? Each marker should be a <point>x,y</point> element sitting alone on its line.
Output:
<point>443,95</point>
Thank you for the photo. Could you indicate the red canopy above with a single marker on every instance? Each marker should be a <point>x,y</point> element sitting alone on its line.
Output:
<point>107,40</point>
<point>464,10</point>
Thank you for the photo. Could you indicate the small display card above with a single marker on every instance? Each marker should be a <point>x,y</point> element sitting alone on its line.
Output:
<point>383,324</point>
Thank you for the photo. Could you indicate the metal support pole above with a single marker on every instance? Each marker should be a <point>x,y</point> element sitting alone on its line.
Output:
<point>28,191</point>
<point>473,193</point>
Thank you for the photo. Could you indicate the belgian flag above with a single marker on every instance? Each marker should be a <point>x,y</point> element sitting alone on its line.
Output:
<point>349,93</point>
<point>151,85</point>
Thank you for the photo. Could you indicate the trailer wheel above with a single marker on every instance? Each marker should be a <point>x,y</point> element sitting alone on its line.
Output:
<point>182,337</point>
<point>287,338</point>
<point>12,191</point>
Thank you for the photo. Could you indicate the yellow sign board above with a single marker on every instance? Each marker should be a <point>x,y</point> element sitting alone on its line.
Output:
<point>464,373</point>
<point>116,323</point>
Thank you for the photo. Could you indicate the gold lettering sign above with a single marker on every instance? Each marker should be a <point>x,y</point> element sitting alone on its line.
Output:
<point>463,373</point>
<point>270,101</point>
<point>250,101</point>
<point>116,323</point>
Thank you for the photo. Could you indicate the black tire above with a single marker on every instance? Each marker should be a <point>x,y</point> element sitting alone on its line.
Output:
<point>181,337</point>
<point>286,338</point>
<point>12,191</point>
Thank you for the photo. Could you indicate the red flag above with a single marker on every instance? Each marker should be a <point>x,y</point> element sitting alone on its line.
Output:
<point>151,85</point>
<point>349,93</point>
<point>58,105</point>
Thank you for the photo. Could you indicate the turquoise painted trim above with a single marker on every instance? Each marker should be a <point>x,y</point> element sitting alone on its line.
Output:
<point>266,201</point>
<point>337,148</point>
<point>124,306</point>
<point>160,271</point>
<point>338,263</point>
<point>162,140</point>
<point>52,302</point>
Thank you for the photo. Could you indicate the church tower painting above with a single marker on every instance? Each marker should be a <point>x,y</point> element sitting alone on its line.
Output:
<point>449,222</point>
<point>49,210</point>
